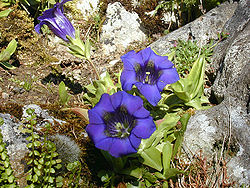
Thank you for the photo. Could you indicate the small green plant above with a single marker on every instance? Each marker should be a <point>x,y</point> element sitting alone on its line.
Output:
<point>63,94</point>
<point>74,174</point>
<point>27,84</point>
<point>7,178</point>
<point>6,54</point>
<point>43,159</point>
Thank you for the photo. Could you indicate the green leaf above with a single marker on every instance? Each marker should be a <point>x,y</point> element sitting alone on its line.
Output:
<point>191,87</point>
<point>29,145</point>
<point>5,13</point>
<point>29,138</point>
<point>133,171</point>
<point>36,153</point>
<point>29,177</point>
<point>7,65</point>
<point>35,178</point>
<point>1,148</point>
<point>8,171</point>
<point>37,171</point>
<point>172,172</point>
<point>52,170</point>
<point>4,156</point>
<point>6,164</point>
<point>37,143</point>
<point>63,94</point>
<point>41,161</point>
<point>169,121</point>
<point>51,179</point>
<point>152,158</point>
<point>11,48</point>
<point>11,179</point>
<point>166,156</point>
<point>180,134</point>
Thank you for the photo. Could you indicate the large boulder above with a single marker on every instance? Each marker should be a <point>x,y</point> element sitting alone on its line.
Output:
<point>120,29</point>
<point>202,29</point>
<point>223,129</point>
<point>226,126</point>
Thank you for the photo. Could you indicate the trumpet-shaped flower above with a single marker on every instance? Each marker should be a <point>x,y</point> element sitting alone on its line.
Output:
<point>149,72</point>
<point>56,21</point>
<point>118,122</point>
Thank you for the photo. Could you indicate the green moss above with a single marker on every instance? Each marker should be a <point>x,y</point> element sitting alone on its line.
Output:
<point>13,109</point>
<point>20,26</point>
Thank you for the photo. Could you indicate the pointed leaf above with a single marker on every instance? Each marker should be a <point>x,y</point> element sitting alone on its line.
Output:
<point>5,13</point>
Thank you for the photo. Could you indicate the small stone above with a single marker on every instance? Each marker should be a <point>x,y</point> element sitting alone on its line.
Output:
<point>5,95</point>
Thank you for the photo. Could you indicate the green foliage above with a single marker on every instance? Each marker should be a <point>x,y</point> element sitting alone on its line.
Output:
<point>7,178</point>
<point>7,3</point>
<point>98,87</point>
<point>185,54</point>
<point>63,94</point>
<point>26,84</point>
<point>153,159</point>
<point>5,13</point>
<point>43,159</point>
<point>74,174</point>
<point>190,89</point>
<point>6,54</point>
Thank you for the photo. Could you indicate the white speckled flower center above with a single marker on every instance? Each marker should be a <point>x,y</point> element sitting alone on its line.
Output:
<point>119,123</point>
<point>147,74</point>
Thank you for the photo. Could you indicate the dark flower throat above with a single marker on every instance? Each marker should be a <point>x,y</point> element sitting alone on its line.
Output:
<point>147,74</point>
<point>119,123</point>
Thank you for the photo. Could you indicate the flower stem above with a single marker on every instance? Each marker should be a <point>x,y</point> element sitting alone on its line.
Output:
<point>95,70</point>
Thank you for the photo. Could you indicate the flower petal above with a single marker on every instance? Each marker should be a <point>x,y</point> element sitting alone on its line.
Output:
<point>121,147</point>
<point>116,99</point>
<point>134,140</point>
<point>160,62</point>
<point>128,78</point>
<point>132,103</point>
<point>104,105</point>
<point>150,92</point>
<point>96,132</point>
<point>105,144</point>
<point>130,60</point>
<point>168,76</point>
<point>57,22</point>
<point>144,127</point>
<point>141,113</point>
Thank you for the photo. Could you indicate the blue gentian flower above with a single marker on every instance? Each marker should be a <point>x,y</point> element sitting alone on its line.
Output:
<point>118,122</point>
<point>149,72</point>
<point>56,21</point>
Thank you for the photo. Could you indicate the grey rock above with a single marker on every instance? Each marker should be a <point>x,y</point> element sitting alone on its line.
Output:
<point>120,29</point>
<point>87,7</point>
<point>15,145</point>
<point>5,95</point>
<point>12,136</point>
<point>41,114</point>
<point>202,29</point>
<point>227,124</point>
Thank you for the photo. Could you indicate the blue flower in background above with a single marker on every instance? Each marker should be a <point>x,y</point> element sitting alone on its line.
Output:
<point>118,122</point>
<point>56,21</point>
<point>149,72</point>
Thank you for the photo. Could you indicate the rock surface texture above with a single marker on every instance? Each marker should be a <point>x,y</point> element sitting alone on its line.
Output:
<point>202,29</point>
<point>16,141</point>
<point>224,127</point>
<point>87,7</point>
<point>120,29</point>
